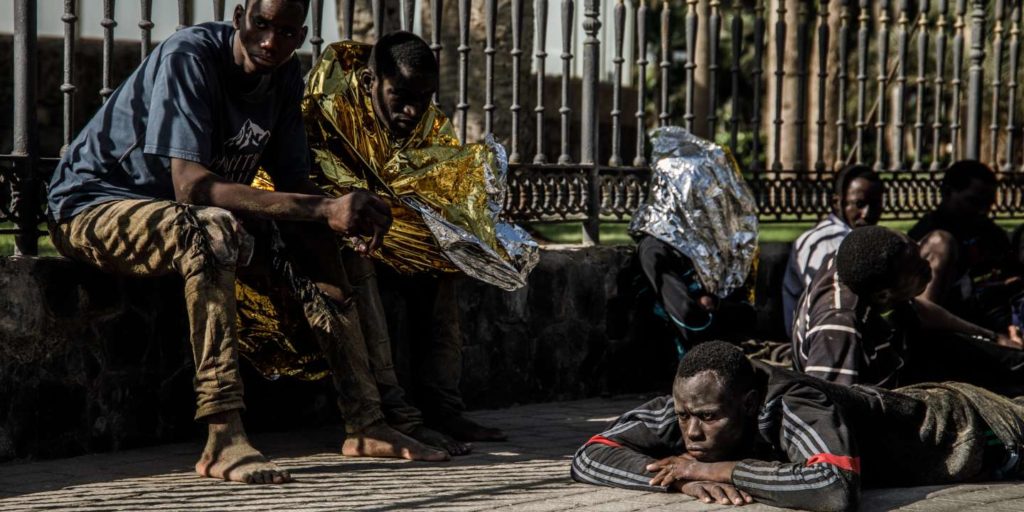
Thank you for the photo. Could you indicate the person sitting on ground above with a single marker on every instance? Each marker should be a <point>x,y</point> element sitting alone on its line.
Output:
<point>857,202</point>
<point>368,110</point>
<point>975,272</point>
<point>735,431</point>
<point>697,315</point>
<point>696,235</point>
<point>861,322</point>
<point>158,183</point>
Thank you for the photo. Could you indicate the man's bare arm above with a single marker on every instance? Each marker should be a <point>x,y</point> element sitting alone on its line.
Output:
<point>935,317</point>
<point>357,213</point>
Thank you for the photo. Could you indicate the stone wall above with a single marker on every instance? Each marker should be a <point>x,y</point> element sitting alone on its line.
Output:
<point>94,362</point>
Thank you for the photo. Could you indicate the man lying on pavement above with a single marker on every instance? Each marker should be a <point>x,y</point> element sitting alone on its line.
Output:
<point>736,431</point>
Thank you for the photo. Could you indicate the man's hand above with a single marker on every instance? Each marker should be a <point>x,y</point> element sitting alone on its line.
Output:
<point>673,469</point>
<point>360,213</point>
<point>708,303</point>
<point>686,468</point>
<point>1012,339</point>
<point>711,492</point>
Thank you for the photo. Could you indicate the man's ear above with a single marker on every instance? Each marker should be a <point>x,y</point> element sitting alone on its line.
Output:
<point>366,80</point>
<point>239,16</point>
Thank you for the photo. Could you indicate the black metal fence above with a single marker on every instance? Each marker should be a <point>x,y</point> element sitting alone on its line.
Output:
<point>796,88</point>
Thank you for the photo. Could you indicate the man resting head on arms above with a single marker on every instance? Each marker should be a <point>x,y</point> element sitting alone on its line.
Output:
<point>736,431</point>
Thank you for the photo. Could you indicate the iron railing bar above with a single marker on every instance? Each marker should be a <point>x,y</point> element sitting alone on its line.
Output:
<point>641,82</point>
<point>490,20</point>
<point>1011,93</point>
<point>956,81</point>
<point>463,106</point>
<point>516,53</point>
<point>317,40</point>
<point>737,50</point>
<point>842,77</point>
<point>780,74</point>
<point>146,27</point>
<point>68,87</point>
<point>758,77</point>
<point>940,81</point>
<point>823,44</point>
<point>996,81</point>
<point>972,145</point>
<point>589,118</point>
<point>619,25</point>
<point>922,78</point>
<point>108,23</point>
<point>899,106</point>
<point>540,10</point>
<point>714,39</point>
<point>568,9</point>
<point>883,79</point>
<point>348,9</point>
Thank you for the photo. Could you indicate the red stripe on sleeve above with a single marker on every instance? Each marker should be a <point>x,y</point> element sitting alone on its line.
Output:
<point>602,440</point>
<point>839,461</point>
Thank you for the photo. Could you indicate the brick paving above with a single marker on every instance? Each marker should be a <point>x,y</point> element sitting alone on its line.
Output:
<point>528,474</point>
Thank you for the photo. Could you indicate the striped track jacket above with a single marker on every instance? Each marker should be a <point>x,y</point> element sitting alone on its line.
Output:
<point>805,456</point>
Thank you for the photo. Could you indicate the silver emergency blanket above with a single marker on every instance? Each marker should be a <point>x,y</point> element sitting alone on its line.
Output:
<point>700,204</point>
<point>470,254</point>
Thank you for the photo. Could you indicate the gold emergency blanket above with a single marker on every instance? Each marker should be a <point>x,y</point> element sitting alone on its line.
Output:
<point>446,198</point>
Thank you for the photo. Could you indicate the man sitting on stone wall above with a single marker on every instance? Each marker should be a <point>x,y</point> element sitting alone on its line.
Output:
<point>861,321</point>
<point>372,126</point>
<point>158,183</point>
<point>857,202</point>
<point>735,431</point>
<point>975,272</point>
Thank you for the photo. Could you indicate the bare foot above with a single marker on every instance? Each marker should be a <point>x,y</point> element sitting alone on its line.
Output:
<point>380,440</point>
<point>465,429</point>
<point>229,456</point>
<point>436,439</point>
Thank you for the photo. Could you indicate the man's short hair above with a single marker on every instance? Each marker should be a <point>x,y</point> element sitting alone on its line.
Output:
<point>850,173</point>
<point>402,49</point>
<point>726,360</point>
<point>305,4</point>
<point>870,258</point>
<point>960,175</point>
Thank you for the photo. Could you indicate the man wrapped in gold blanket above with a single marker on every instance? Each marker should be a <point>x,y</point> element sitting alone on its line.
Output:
<point>371,125</point>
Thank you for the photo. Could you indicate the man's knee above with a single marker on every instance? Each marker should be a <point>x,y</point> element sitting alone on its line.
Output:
<point>221,234</point>
<point>939,247</point>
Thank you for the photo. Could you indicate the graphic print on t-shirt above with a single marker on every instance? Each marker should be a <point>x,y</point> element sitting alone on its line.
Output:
<point>240,156</point>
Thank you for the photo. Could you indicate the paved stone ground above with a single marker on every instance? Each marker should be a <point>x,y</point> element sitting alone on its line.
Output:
<point>529,474</point>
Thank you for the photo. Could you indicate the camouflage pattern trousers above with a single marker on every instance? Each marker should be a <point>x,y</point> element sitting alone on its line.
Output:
<point>206,246</point>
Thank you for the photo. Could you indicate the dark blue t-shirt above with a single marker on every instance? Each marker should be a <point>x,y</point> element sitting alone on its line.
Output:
<point>184,101</point>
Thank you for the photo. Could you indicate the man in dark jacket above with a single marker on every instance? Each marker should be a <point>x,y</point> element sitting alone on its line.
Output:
<point>734,432</point>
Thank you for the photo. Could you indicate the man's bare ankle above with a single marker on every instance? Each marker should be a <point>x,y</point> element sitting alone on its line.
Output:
<point>225,422</point>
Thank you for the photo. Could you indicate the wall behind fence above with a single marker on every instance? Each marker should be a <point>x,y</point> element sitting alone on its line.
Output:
<point>797,89</point>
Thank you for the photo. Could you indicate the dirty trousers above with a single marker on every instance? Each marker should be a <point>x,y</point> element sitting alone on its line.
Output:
<point>205,245</point>
<point>148,238</point>
<point>352,335</point>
